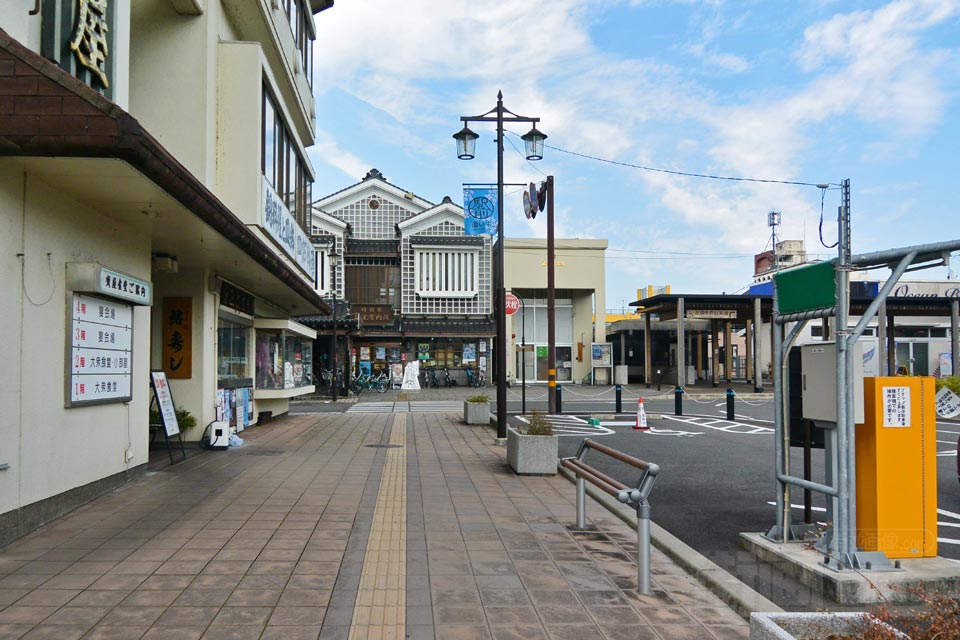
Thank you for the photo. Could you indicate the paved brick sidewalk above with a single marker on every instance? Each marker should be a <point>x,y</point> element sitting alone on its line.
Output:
<point>308,531</point>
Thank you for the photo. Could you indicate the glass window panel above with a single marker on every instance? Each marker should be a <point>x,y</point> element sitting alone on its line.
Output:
<point>231,350</point>
<point>269,160</point>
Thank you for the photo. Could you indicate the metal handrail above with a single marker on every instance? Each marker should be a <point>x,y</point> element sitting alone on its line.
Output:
<point>635,497</point>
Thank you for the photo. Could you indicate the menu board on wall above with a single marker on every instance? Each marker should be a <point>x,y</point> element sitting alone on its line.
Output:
<point>101,351</point>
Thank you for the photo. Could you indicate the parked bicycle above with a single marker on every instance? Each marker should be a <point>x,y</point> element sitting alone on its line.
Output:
<point>475,379</point>
<point>363,381</point>
<point>448,381</point>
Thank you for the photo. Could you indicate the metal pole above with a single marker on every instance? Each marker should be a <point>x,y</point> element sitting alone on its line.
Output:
<point>618,408</point>
<point>643,549</point>
<point>681,347</point>
<point>501,303</point>
<point>333,379</point>
<point>778,418</point>
<point>523,356</point>
<point>731,415</point>
<point>955,336</point>
<point>647,347</point>
<point>882,339</point>
<point>757,347</point>
<point>581,503</point>
<point>551,308</point>
<point>841,536</point>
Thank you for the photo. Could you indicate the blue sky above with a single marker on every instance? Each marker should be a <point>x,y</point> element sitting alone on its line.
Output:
<point>798,91</point>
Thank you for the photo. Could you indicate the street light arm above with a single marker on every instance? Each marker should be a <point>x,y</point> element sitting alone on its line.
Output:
<point>487,118</point>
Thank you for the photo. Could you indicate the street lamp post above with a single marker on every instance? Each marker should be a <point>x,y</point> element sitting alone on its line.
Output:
<point>466,145</point>
<point>334,259</point>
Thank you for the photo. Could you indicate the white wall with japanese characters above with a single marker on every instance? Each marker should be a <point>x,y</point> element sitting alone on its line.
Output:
<point>52,449</point>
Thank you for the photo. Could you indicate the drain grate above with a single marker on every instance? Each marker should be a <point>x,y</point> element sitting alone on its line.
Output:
<point>384,446</point>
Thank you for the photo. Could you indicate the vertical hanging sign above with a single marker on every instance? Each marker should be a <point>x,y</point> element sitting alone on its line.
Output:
<point>480,210</point>
<point>178,337</point>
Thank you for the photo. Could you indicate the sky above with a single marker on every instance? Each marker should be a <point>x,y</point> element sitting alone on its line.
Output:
<point>808,91</point>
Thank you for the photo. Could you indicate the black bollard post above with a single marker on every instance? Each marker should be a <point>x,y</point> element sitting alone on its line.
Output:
<point>559,396</point>
<point>619,408</point>
<point>678,401</point>
<point>730,396</point>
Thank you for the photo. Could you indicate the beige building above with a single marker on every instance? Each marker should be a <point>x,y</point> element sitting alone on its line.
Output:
<point>579,295</point>
<point>154,194</point>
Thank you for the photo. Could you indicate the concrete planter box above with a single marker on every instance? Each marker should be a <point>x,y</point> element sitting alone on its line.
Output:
<point>476,412</point>
<point>809,626</point>
<point>531,455</point>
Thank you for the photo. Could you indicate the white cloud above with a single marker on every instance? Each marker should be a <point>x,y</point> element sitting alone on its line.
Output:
<point>326,150</point>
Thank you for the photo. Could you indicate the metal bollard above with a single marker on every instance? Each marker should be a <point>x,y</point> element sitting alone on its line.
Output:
<point>730,396</point>
<point>581,503</point>
<point>559,397</point>
<point>619,407</point>
<point>678,401</point>
<point>643,549</point>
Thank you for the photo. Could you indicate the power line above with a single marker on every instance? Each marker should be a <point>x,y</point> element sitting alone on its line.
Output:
<point>680,173</point>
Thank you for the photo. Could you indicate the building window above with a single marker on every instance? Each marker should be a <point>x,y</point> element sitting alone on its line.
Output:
<point>232,350</point>
<point>446,273</point>
<point>284,360</point>
<point>298,16</point>
<point>324,275</point>
<point>281,163</point>
<point>372,281</point>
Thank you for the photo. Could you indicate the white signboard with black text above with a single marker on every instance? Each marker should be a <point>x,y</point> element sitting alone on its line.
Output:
<point>948,403</point>
<point>284,230</point>
<point>168,413</point>
<point>896,406</point>
<point>101,351</point>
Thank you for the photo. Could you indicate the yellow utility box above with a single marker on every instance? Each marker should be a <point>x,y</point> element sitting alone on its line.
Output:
<point>897,468</point>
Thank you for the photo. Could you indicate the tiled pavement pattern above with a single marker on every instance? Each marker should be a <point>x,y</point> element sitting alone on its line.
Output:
<point>270,541</point>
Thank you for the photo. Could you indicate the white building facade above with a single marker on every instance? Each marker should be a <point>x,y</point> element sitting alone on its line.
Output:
<point>154,192</point>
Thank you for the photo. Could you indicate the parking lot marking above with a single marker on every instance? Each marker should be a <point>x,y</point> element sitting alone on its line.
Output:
<point>949,514</point>
<point>725,425</point>
<point>574,426</point>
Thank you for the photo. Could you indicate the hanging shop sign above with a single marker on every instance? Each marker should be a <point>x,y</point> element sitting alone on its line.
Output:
<point>284,230</point>
<point>101,351</point>
<point>235,298</point>
<point>712,314</point>
<point>374,314</point>
<point>79,36</point>
<point>177,326</point>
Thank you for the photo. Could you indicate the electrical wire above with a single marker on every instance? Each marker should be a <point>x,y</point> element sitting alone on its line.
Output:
<point>535,167</point>
<point>823,193</point>
<point>678,173</point>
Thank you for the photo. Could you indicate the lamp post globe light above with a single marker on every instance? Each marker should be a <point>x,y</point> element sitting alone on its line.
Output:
<point>466,147</point>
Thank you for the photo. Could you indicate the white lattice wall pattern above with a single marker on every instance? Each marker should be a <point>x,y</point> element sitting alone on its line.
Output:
<point>373,218</point>
<point>412,304</point>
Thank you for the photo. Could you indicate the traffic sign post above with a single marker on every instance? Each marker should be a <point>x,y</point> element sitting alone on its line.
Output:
<point>511,304</point>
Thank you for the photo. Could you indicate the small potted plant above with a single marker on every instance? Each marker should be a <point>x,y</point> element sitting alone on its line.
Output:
<point>533,450</point>
<point>476,410</point>
<point>185,419</point>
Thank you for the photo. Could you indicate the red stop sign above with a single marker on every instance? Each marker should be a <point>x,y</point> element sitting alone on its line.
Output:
<point>512,304</point>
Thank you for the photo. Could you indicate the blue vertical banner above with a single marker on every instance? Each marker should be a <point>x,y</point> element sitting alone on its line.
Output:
<point>480,210</point>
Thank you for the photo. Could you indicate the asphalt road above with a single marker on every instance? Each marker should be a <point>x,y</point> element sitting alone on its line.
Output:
<point>717,476</point>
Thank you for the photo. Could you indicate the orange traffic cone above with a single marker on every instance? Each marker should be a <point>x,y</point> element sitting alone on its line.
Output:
<point>641,424</point>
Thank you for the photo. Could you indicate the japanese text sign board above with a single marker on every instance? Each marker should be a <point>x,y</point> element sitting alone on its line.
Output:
<point>511,303</point>
<point>601,354</point>
<point>101,351</point>
<point>177,325</point>
<point>896,406</point>
<point>283,229</point>
<point>168,413</point>
<point>948,403</point>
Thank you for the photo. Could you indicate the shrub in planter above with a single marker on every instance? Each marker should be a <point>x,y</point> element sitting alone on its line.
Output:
<point>533,451</point>
<point>185,419</point>
<point>476,410</point>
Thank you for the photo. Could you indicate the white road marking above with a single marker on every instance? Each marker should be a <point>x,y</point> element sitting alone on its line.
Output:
<point>798,506</point>
<point>948,541</point>
<point>947,453</point>
<point>949,514</point>
<point>727,426</point>
<point>949,524</point>
<point>574,426</point>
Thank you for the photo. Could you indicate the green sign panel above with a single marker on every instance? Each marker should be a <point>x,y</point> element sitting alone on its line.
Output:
<point>806,288</point>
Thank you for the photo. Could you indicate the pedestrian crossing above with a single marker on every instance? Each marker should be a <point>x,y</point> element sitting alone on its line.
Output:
<point>424,406</point>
